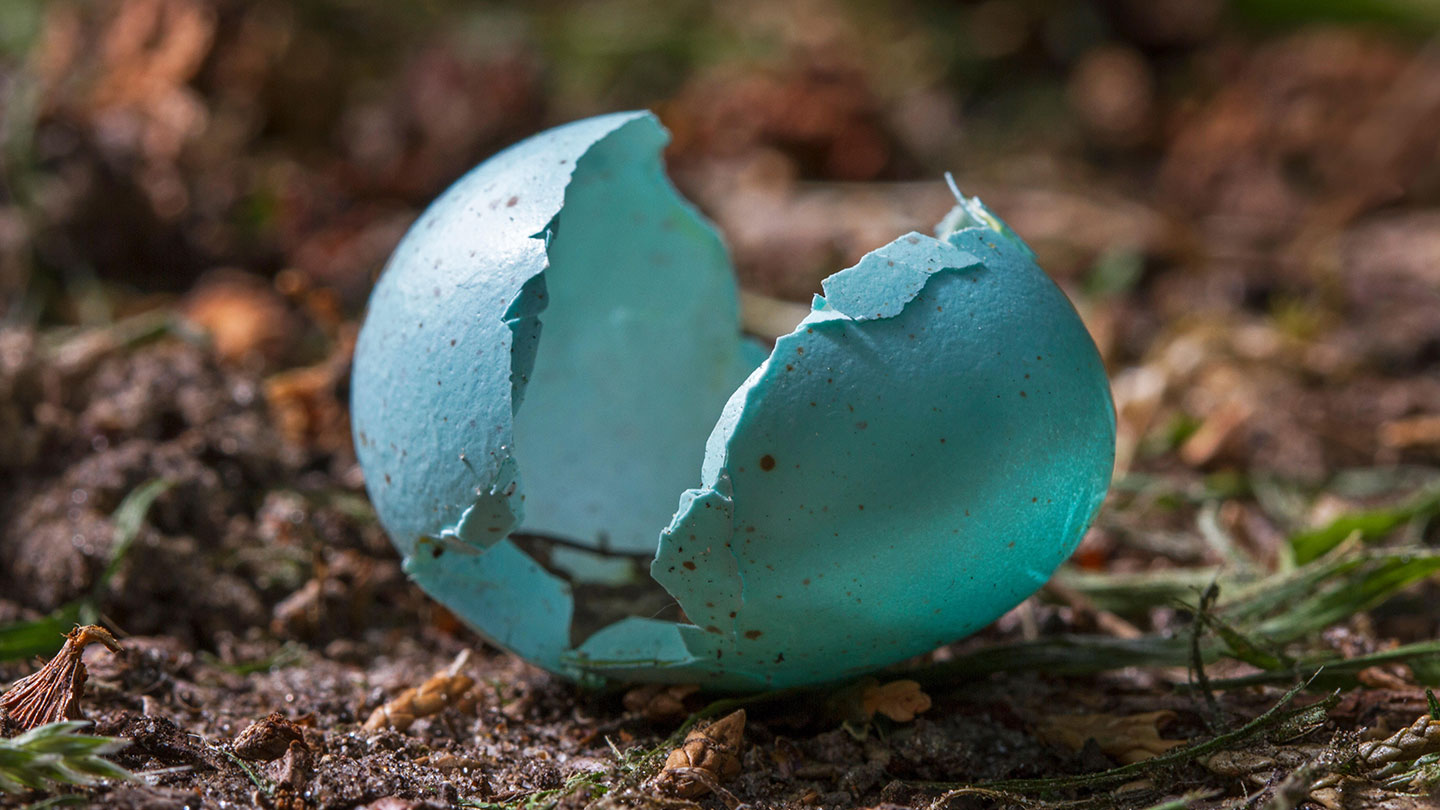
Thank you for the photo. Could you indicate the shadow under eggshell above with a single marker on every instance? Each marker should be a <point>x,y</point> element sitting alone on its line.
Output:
<point>551,344</point>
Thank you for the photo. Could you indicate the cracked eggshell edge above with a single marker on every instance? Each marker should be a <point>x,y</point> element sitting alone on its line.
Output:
<point>531,608</point>
<point>912,325</point>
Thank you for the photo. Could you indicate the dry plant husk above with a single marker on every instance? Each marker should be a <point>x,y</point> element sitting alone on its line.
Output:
<point>53,692</point>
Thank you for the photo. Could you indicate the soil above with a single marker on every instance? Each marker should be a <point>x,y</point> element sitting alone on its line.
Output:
<point>260,582</point>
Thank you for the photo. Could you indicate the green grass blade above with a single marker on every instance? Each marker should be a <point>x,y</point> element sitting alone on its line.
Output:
<point>1135,594</point>
<point>128,518</point>
<point>1367,586</point>
<point>40,637</point>
<point>45,636</point>
<point>57,754</point>
<point>1370,524</point>
<point>1244,648</point>
<point>1258,617</point>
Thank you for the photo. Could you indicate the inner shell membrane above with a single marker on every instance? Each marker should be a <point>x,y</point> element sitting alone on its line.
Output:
<point>639,350</point>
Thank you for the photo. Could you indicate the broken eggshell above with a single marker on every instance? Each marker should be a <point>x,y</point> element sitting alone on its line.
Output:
<point>553,341</point>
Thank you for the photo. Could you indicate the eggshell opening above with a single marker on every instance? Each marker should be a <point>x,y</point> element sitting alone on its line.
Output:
<point>639,349</point>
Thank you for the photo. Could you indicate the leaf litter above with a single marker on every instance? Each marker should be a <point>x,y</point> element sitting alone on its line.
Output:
<point>486,731</point>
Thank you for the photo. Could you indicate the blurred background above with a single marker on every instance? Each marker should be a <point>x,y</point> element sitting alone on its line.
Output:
<point>1242,198</point>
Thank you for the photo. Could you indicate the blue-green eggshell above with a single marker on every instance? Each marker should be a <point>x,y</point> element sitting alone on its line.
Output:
<point>556,337</point>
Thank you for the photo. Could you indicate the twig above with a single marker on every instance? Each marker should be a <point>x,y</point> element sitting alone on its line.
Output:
<point>943,800</point>
<point>1214,718</point>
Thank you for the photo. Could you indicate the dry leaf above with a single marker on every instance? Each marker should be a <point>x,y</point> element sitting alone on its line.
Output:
<point>1129,739</point>
<point>660,703</point>
<point>898,700</point>
<point>1138,394</point>
<point>243,315</point>
<point>53,692</point>
<point>1414,431</point>
<point>1239,763</point>
<point>1393,676</point>
<point>857,704</point>
<point>445,689</point>
<point>708,757</point>
<point>308,403</point>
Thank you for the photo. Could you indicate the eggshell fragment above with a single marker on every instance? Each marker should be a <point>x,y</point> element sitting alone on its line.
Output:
<point>554,339</point>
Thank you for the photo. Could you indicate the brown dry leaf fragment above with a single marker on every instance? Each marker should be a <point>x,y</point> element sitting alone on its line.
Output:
<point>858,703</point>
<point>1239,763</point>
<point>246,319</point>
<point>445,689</point>
<point>1139,393</point>
<point>660,703</point>
<point>1129,739</point>
<point>268,739</point>
<point>53,692</point>
<point>308,403</point>
<point>1397,677</point>
<point>898,700</point>
<point>708,757</point>
<point>1414,431</point>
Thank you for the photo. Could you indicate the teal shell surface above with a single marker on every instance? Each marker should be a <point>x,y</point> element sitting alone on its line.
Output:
<point>554,340</point>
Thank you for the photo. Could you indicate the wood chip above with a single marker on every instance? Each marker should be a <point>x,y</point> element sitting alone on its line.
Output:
<point>445,689</point>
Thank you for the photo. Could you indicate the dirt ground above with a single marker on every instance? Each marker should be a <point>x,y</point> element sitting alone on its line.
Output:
<point>260,582</point>
<point>1247,217</point>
